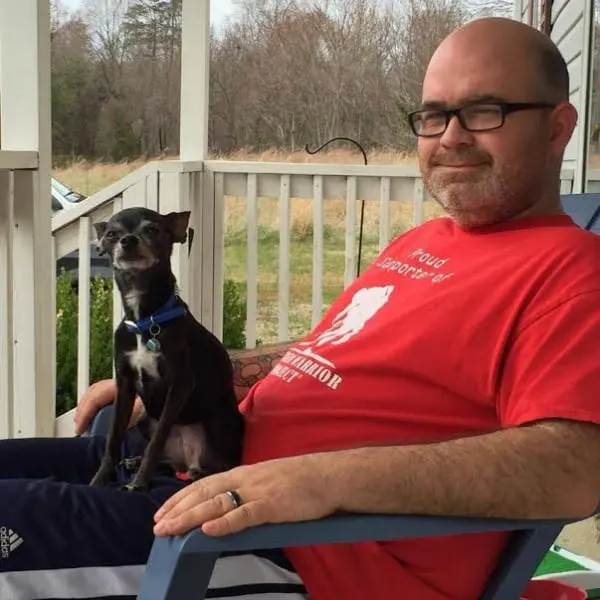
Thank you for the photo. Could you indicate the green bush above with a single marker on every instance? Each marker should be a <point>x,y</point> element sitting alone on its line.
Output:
<point>66,344</point>
<point>101,332</point>
<point>234,316</point>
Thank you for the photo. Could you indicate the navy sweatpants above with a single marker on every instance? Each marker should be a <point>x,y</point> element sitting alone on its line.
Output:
<point>61,539</point>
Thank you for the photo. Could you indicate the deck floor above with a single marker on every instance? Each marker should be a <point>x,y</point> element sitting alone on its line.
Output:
<point>581,538</point>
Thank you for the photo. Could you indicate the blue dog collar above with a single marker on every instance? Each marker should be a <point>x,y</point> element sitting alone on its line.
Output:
<point>167,312</point>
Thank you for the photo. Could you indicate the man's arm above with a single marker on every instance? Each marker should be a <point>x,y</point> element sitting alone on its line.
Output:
<point>546,470</point>
<point>249,366</point>
<point>543,471</point>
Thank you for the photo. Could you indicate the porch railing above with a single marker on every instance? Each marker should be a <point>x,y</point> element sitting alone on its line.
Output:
<point>23,359</point>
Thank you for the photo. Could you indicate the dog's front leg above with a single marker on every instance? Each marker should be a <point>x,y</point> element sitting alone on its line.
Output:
<point>176,398</point>
<point>122,413</point>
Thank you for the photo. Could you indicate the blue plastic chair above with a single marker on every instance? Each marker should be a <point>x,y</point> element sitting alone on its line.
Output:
<point>584,209</point>
<point>180,567</point>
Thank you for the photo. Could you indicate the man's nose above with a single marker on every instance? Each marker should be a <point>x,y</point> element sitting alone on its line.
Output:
<point>456,135</point>
<point>129,241</point>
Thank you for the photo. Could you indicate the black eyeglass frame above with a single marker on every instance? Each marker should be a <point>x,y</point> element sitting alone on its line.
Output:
<point>506,108</point>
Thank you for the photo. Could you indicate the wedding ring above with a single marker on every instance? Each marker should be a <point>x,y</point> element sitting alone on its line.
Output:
<point>236,499</point>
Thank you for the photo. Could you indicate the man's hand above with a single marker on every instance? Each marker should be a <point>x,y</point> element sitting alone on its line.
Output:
<point>98,395</point>
<point>276,491</point>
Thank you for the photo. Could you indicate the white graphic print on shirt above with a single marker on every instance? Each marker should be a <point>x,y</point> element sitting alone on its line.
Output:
<point>306,358</point>
<point>303,360</point>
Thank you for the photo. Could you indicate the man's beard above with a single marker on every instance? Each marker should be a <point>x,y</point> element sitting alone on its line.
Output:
<point>478,196</point>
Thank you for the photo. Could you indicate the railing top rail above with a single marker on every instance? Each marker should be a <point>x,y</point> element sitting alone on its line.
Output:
<point>11,160</point>
<point>327,169</point>
<point>105,195</point>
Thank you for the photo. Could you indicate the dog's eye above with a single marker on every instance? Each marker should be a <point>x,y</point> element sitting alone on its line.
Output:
<point>111,235</point>
<point>151,230</point>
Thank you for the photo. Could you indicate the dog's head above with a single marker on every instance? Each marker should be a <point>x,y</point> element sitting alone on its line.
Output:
<point>140,238</point>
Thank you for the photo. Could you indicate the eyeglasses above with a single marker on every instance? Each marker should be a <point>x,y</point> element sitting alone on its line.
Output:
<point>483,116</point>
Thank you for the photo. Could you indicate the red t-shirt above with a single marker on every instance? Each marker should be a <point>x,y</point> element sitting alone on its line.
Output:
<point>447,333</point>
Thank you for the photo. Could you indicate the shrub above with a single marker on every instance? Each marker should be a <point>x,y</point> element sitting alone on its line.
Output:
<point>101,332</point>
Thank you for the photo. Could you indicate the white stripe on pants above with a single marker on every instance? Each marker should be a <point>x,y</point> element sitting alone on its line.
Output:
<point>254,575</point>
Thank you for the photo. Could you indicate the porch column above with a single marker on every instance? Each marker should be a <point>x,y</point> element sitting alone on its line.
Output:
<point>203,272</point>
<point>25,124</point>
<point>195,64</point>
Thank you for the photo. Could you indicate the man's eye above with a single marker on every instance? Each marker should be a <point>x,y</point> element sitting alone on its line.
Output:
<point>432,116</point>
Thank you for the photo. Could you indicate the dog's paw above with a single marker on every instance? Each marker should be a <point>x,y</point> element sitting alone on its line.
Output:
<point>194,474</point>
<point>134,487</point>
<point>131,464</point>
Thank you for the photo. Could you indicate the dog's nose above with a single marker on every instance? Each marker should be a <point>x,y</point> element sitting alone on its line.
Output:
<point>129,241</point>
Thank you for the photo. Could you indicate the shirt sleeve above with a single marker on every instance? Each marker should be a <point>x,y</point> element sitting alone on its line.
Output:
<point>552,367</point>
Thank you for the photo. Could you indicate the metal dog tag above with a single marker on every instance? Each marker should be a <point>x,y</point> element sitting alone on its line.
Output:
<point>153,345</point>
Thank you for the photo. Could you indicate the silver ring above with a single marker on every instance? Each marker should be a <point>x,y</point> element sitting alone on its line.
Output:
<point>235,498</point>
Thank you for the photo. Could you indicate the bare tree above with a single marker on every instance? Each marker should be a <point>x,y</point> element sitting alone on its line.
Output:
<point>283,73</point>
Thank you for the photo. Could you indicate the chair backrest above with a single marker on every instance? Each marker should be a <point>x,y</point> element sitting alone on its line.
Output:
<point>584,209</point>
<point>526,549</point>
<point>524,552</point>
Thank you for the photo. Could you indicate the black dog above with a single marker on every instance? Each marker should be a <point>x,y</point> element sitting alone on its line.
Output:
<point>181,371</point>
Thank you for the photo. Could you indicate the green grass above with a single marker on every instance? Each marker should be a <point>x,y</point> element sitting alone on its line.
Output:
<point>301,254</point>
<point>555,563</point>
<point>301,269</point>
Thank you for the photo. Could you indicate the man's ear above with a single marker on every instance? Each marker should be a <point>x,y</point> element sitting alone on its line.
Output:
<point>178,224</point>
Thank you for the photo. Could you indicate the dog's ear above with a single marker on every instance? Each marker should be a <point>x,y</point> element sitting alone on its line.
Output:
<point>100,228</point>
<point>178,224</point>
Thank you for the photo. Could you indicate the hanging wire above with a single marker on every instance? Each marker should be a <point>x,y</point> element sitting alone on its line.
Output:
<point>362,204</point>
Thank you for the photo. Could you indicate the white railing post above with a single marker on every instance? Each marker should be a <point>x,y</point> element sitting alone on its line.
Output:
<point>419,202</point>
<point>83,308</point>
<point>203,277</point>
<point>6,305</point>
<point>26,125</point>
<point>217,183</point>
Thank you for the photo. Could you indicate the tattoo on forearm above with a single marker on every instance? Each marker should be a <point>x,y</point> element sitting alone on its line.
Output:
<point>250,366</point>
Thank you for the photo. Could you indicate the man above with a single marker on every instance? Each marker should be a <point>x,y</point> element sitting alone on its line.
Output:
<point>471,388</point>
<point>457,376</point>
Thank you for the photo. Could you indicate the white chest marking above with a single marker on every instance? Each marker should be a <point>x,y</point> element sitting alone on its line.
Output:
<point>132,300</point>
<point>142,360</point>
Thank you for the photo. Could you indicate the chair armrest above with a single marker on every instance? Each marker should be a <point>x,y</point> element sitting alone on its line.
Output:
<point>181,566</point>
<point>349,528</point>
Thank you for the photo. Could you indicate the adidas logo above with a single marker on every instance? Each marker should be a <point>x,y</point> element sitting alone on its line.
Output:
<point>9,541</point>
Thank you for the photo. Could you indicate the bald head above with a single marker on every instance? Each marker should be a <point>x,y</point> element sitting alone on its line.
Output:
<point>524,51</point>
<point>502,156</point>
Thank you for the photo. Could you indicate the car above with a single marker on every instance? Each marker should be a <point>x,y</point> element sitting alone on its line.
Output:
<point>64,198</point>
